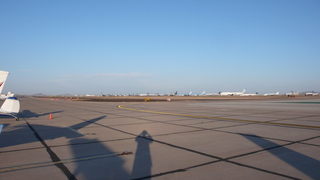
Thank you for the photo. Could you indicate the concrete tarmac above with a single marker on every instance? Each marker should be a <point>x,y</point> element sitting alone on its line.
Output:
<point>236,139</point>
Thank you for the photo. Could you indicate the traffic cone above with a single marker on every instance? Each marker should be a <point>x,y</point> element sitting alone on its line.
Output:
<point>50,117</point>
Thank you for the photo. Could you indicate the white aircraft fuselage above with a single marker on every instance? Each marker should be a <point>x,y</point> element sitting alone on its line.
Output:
<point>272,94</point>
<point>249,94</point>
<point>232,93</point>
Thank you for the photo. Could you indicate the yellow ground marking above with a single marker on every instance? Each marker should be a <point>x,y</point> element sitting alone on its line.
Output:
<point>63,161</point>
<point>220,118</point>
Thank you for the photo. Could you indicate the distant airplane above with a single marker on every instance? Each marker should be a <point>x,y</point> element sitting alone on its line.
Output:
<point>272,94</point>
<point>212,94</point>
<point>197,94</point>
<point>311,94</point>
<point>168,94</point>
<point>175,94</point>
<point>232,93</point>
<point>89,95</point>
<point>249,94</point>
<point>292,93</point>
<point>11,107</point>
<point>3,78</point>
<point>143,94</point>
<point>185,94</point>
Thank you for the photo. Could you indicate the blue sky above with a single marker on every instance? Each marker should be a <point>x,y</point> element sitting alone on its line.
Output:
<point>160,46</point>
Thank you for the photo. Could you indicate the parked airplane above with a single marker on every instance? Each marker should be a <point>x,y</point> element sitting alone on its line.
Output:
<point>143,94</point>
<point>89,95</point>
<point>11,107</point>
<point>189,94</point>
<point>3,78</point>
<point>232,93</point>
<point>292,93</point>
<point>197,94</point>
<point>249,94</point>
<point>168,94</point>
<point>311,94</point>
<point>213,94</point>
<point>272,94</point>
<point>171,94</point>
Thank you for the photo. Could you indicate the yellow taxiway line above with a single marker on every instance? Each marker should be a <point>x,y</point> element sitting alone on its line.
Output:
<point>220,118</point>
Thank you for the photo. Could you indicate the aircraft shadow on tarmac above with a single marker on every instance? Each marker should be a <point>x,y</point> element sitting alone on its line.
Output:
<point>44,131</point>
<point>30,114</point>
<point>301,162</point>
<point>100,162</point>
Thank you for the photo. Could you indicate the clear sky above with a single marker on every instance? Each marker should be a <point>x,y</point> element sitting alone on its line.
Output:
<point>160,46</point>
